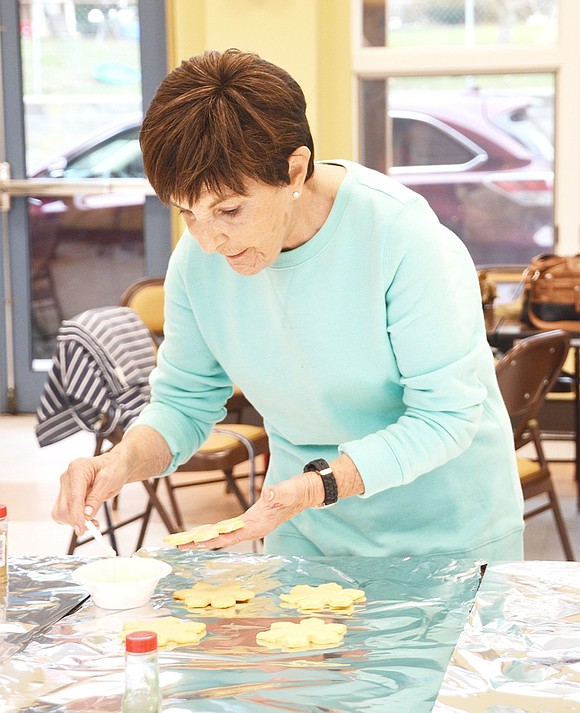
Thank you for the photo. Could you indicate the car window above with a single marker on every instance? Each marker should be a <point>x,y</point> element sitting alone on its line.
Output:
<point>529,126</point>
<point>418,143</point>
<point>119,157</point>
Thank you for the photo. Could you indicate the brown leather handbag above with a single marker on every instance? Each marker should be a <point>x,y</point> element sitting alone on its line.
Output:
<point>552,292</point>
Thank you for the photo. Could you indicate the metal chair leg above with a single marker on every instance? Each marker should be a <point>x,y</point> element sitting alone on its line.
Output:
<point>561,525</point>
<point>173,503</point>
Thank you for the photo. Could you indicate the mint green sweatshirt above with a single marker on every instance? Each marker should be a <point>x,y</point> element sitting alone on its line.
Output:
<point>368,339</point>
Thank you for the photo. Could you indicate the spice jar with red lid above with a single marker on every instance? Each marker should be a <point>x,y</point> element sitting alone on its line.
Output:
<point>142,694</point>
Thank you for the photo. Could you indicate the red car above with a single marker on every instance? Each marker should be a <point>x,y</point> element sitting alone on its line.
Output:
<point>484,163</point>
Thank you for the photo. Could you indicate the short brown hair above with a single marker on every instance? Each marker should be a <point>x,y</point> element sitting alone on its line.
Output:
<point>220,119</point>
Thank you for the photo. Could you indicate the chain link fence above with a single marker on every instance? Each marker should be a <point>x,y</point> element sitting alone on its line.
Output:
<point>455,12</point>
<point>453,22</point>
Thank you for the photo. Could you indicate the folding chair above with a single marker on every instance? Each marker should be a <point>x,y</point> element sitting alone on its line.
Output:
<point>98,382</point>
<point>525,374</point>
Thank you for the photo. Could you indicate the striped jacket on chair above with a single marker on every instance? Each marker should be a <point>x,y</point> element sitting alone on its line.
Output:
<point>99,375</point>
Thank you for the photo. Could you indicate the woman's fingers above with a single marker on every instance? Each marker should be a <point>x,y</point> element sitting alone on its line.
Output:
<point>84,486</point>
<point>70,503</point>
<point>104,486</point>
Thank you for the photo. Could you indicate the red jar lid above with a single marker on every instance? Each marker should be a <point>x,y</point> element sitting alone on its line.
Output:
<point>3,511</point>
<point>141,642</point>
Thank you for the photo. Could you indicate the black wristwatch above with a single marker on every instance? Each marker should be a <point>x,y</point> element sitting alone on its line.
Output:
<point>321,467</point>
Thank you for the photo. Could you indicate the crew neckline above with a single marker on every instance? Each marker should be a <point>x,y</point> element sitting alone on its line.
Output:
<point>322,237</point>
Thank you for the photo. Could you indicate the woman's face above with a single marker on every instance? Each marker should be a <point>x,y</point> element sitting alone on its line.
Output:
<point>250,231</point>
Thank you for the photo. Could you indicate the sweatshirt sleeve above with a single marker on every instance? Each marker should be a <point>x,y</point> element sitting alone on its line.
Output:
<point>189,388</point>
<point>436,331</point>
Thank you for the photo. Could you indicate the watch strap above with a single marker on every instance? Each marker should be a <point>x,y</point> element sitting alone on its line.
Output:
<point>320,466</point>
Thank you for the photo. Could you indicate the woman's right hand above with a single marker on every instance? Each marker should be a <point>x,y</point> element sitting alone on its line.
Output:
<point>85,485</point>
<point>87,482</point>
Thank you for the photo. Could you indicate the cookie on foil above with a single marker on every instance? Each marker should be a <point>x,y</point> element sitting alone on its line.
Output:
<point>217,596</point>
<point>308,633</point>
<point>169,629</point>
<point>330,595</point>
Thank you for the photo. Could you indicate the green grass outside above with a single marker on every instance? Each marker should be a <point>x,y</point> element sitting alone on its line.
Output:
<point>498,82</point>
<point>484,34</point>
<point>66,66</point>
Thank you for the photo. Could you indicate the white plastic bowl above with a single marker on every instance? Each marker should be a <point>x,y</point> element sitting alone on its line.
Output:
<point>121,582</point>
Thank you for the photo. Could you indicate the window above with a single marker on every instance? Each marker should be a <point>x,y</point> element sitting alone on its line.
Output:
<point>473,125</point>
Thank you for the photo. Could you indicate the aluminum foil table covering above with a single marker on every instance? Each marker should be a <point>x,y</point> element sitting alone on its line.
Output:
<point>393,656</point>
<point>39,592</point>
<point>520,649</point>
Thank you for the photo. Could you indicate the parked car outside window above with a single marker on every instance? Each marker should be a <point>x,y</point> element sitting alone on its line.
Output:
<point>103,219</point>
<point>484,163</point>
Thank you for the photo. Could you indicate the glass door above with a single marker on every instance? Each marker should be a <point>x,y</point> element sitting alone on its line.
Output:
<point>79,220</point>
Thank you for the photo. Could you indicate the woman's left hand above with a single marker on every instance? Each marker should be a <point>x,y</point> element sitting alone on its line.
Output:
<point>277,504</point>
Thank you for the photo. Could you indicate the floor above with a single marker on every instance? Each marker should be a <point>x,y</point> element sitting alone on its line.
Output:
<point>30,476</point>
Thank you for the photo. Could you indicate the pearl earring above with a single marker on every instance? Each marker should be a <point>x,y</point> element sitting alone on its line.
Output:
<point>296,194</point>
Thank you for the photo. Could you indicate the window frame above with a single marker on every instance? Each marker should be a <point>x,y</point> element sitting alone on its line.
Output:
<point>561,59</point>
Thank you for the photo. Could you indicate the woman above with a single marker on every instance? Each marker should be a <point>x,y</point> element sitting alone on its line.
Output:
<point>347,314</point>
